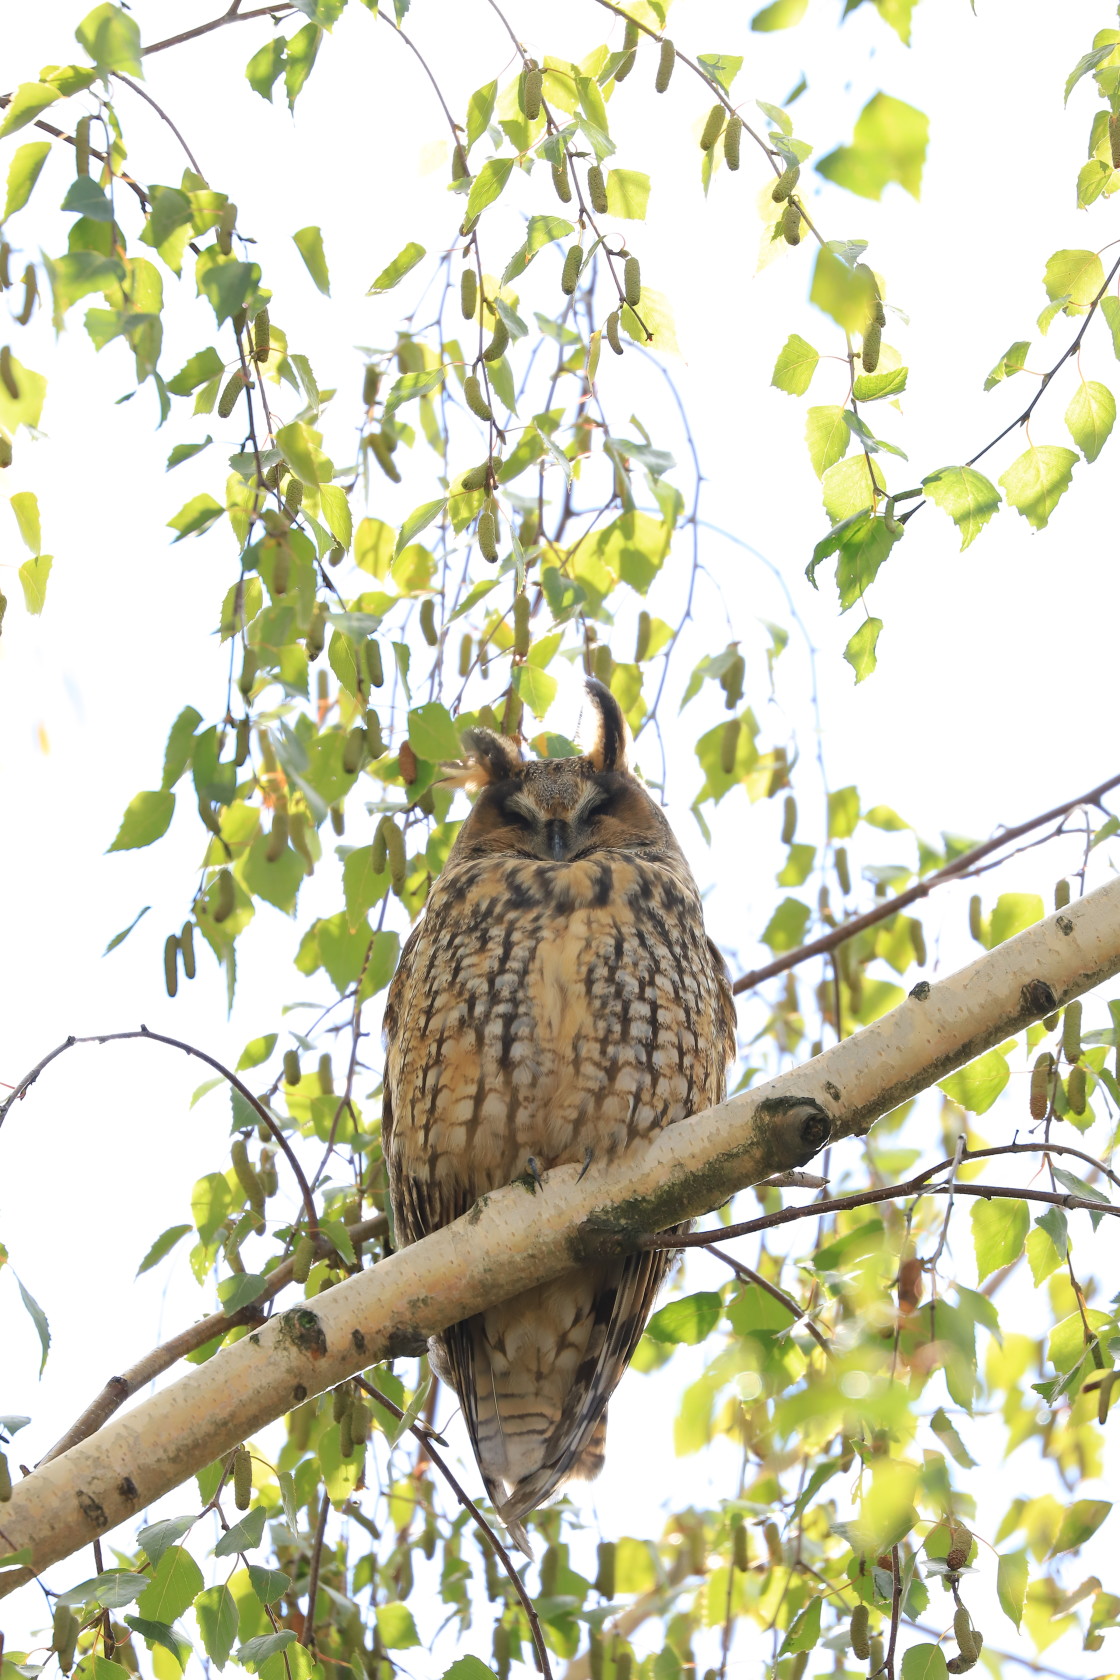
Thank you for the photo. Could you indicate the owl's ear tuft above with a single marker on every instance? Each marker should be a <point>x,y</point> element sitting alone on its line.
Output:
<point>609,750</point>
<point>489,758</point>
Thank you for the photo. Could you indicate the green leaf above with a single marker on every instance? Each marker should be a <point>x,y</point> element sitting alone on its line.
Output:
<point>827,435</point>
<point>396,1626</point>
<point>843,813</point>
<point>869,387</point>
<point>26,104</point>
<point>254,1653</point>
<point>795,366</point>
<point>888,144</point>
<point>689,1319</point>
<point>480,108</point>
<point>1073,278</point>
<point>536,688</point>
<point>1090,417</point>
<point>848,488</point>
<point>1012,361</point>
<point>27,408</point>
<point>806,1627</point>
<point>244,1536</point>
<point>173,1586</point>
<point>411,385</point>
<point>432,733</point>
<point>1013,913</point>
<point>999,1231</point>
<point>177,753</point>
<point>860,650</point>
<point>148,816</point>
<point>782,14</point>
<point>488,184</point>
<point>268,1584</point>
<point>627,194</point>
<point>417,520</point>
<point>785,930</point>
<point>1034,483</point>
<point>1011,1584</point>
<point>1110,309</point>
<point>966,496</point>
<point>85,198</point>
<point>240,1289</point>
<point>362,886</point>
<point>25,506</point>
<point>112,40</point>
<point>924,1662</point>
<point>469,1668</point>
<point>303,47</point>
<point>184,451</point>
<point>263,69</point>
<point>841,292</point>
<point>309,244</point>
<point>299,446</point>
<point>1088,61</point>
<point>157,1537</point>
<point>202,367</point>
<point>196,516</point>
<point>946,1433</point>
<point>403,263</point>
<point>1079,1524</point>
<point>39,1319</point>
<point>977,1085</point>
<point>23,172</point>
<point>216,1610</point>
<point>119,938</point>
<point>162,1245</point>
<point>723,67</point>
<point>226,283</point>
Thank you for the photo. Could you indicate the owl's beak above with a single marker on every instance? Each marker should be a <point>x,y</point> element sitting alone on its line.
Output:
<point>559,838</point>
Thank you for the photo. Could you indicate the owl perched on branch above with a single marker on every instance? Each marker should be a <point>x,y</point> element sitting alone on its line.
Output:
<point>558,1002</point>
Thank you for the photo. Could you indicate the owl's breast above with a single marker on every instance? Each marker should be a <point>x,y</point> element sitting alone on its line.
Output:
<point>549,1010</point>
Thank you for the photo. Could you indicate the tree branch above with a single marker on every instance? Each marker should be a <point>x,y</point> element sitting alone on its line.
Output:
<point>921,889</point>
<point>25,1084</point>
<point>232,16</point>
<point>524,1234</point>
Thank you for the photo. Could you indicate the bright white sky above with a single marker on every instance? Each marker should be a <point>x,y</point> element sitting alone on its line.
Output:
<point>994,692</point>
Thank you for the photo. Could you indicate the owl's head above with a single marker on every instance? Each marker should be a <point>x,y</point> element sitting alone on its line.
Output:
<point>558,809</point>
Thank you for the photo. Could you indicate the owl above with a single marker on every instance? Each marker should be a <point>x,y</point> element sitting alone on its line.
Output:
<point>558,1002</point>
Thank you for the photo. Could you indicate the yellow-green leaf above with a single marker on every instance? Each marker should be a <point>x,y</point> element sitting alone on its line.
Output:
<point>23,172</point>
<point>33,575</point>
<point>844,292</point>
<point>432,733</point>
<point>1079,1524</point>
<point>27,102</point>
<point>860,650</point>
<point>827,435</point>
<point>627,194</point>
<point>999,1230</point>
<point>1073,279</point>
<point>966,496</point>
<point>396,1626</point>
<point>1090,417</point>
<point>795,366</point>
<point>147,818</point>
<point>977,1085</point>
<point>1037,480</point>
<point>112,40</point>
<point>888,144</point>
<point>403,263</point>
<point>309,243</point>
<point>173,1587</point>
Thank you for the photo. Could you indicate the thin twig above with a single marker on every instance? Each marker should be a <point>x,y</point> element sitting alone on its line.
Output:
<point>787,1301</point>
<point>953,1171</point>
<point>143,1032</point>
<point>160,112</point>
<point>896,1609</point>
<point>313,1576</point>
<point>464,1498</point>
<point>232,16</point>
<point>890,907</point>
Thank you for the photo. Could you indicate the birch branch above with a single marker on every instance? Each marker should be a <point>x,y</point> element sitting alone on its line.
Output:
<point>521,1235</point>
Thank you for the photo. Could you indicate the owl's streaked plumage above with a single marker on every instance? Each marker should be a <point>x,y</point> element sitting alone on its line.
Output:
<point>558,1001</point>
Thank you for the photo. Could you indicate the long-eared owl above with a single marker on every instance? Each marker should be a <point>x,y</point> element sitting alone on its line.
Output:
<point>558,1002</point>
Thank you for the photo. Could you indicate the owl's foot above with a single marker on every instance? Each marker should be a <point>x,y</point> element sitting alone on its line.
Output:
<point>587,1160</point>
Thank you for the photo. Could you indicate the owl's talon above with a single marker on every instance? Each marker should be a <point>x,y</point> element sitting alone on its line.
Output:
<point>587,1160</point>
<point>534,1173</point>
